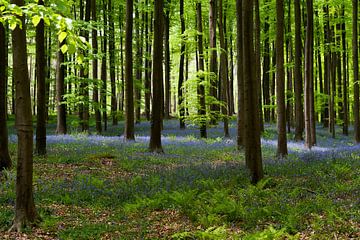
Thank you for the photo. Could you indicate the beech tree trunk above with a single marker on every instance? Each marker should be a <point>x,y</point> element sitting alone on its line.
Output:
<point>213,59</point>
<point>345,84</point>
<point>280,80</point>
<point>252,122</point>
<point>112,64</point>
<point>266,70</point>
<point>201,87</point>
<point>41,88</point>
<point>240,78</point>
<point>167,61</point>
<point>60,91</point>
<point>103,68</point>
<point>5,161</point>
<point>25,212</point>
<point>157,77</point>
<point>181,102</point>
<point>355,50</point>
<point>129,84</point>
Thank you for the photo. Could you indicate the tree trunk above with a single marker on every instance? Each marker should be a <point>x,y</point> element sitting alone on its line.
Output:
<point>103,68</point>
<point>167,61</point>
<point>252,122</point>
<point>112,63</point>
<point>181,69</point>
<point>240,78</point>
<point>129,89</point>
<point>41,88</point>
<point>201,87</point>
<point>60,91</point>
<point>345,84</point>
<point>266,70</point>
<point>147,80</point>
<point>157,76</point>
<point>5,161</point>
<point>258,60</point>
<point>25,212</point>
<point>355,50</point>
<point>95,70</point>
<point>310,138</point>
<point>280,80</point>
<point>213,59</point>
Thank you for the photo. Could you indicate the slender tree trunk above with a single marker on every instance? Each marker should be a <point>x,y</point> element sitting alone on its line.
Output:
<point>5,161</point>
<point>355,50</point>
<point>95,70</point>
<point>25,212</point>
<point>266,70</point>
<point>181,69</point>
<point>112,64</point>
<point>299,115</point>
<point>345,84</point>
<point>129,89</point>
<point>280,80</point>
<point>167,61</point>
<point>240,77</point>
<point>252,122</point>
<point>157,76</point>
<point>147,80</point>
<point>231,78</point>
<point>258,60</point>
<point>289,58</point>
<point>41,88</point>
<point>201,87</point>
<point>327,67</point>
<point>48,74</point>
<point>213,59</point>
<point>60,91</point>
<point>310,138</point>
<point>103,68</point>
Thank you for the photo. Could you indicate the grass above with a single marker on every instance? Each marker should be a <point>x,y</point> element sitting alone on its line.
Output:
<point>94,187</point>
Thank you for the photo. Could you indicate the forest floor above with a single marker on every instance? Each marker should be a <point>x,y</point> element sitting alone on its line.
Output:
<point>100,187</point>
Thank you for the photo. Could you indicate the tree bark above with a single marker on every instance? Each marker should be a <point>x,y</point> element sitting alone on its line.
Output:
<point>345,83</point>
<point>5,161</point>
<point>103,68</point>
<point>266,70</point>
<point>157,76</point>
<point>129,84</point>
<point>25,212</point>
<point>240,77</point>
<point>201,87</point>
<point>167,61</point>
<point>280,80</point>
<point>213,59</point>
<point>41,88</point>
<point>181,102</point>
<point>60,91</point>
<point>112,63</point>
<point>252,122</point>
<point>355,50</point>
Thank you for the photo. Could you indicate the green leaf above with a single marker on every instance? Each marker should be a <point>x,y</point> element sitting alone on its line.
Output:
<point>35,20</point>
<point>64,48</point>
<point>71,49</point>
<point>62,36</point>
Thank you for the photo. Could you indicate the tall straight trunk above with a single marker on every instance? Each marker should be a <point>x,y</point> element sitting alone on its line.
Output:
<point>231,78</point>
<point>48,73</point>
<point>201,87</point>
<point>355,50</point>
<point>139,53</point>
<point>252,122</point>
<point>273,84</point>
<point>122,95</point>
<point>112,63</point>
<point>344,81</point>
<point>41,88</point>
<point>147,80</point>
<point>224,72</point>
<point>25,212</point>
<point>103,68</point>
<point>298,86</point>
<point>213,59</point>
<point>240,77</point>
<point>339,74</point>
<point>280,80</point>
<point>5,161</point>
<point>289,58</point>
<point>181,102</point>
<point>266,70</point>
<point>258,60</point>
<point>310,138</point>
<point>129,84</point>
<point>157,76</point>
<point>167,61</point>
<point>95,70</point>
<point>60,92</point>
<point>327,61</point>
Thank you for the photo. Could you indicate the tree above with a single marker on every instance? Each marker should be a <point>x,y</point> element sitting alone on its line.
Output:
<point>60,91</point>
<point>213,57</point>
<point>299,115</point>
<point>252,122</point>
<point>112,64</point>
<point>240,77</point>
<point>103,68</point>
<point>201,87</point>
<point>95,69</point>
<point>5,161</point>
<point>167,61</point>
<point>310,138</point>
<point>280,80</point>
<point>355,50</point>
<point>129,100</point>
<point>25,212</point>
<point>224,72</point>
<point>181,102</point>
<point>157,73</point>
<point>41,88</point>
